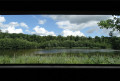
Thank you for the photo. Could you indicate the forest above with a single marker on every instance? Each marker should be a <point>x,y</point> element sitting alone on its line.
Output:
<point>25,41</point>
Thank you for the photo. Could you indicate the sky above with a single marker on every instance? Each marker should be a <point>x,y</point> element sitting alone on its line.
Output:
<point>65,25</point>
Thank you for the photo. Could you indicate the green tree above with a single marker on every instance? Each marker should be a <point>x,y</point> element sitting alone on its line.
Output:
<point>113,24</point>
<point>0,31</point>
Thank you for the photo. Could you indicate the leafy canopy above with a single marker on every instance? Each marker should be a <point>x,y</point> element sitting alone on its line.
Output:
<point>113,24</point>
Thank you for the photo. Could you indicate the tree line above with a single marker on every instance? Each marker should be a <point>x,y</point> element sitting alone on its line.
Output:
<point>26,41</point>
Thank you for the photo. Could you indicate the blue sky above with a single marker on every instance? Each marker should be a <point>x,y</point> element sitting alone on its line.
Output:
<point>81,25</point>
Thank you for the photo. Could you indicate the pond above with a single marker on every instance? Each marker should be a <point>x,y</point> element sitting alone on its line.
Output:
<point>55,51</point>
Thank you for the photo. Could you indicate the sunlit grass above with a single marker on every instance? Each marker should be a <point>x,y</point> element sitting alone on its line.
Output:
<point>62,59</point>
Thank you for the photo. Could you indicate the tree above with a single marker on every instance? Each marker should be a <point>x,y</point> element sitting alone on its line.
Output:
<point>97,39</point>
<point>77,38</point>
<point>113,24</point>
<point>111,33</point>
<point>0,31</point>
<point>6,31</point>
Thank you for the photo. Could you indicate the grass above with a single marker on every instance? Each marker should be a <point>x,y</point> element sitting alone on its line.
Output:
<point>62,59</point>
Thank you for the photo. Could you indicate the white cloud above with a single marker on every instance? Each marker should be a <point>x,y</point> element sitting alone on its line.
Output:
<point>42,21</point>
<point>27,30</point>
<point>91,30</point>
<point>2,25</point>
<point>78,19</point>
<point>75,27</point>
<point>107,31</point>
<point>11,24</point>
<point>2,19</point>
<point>12,30</point>
<point>24,25</point>
<point>10,27</point>
<point>116,33</point>
<point>73,33</point>
<point>79,22</point>
<point>15,24</point>
<point>41,31</point>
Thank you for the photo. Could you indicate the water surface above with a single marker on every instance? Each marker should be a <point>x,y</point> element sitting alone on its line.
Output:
<point>51,51</point>
<point>55,51</point>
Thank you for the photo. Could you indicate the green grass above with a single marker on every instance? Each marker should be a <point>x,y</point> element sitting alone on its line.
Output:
<point>62,59</point>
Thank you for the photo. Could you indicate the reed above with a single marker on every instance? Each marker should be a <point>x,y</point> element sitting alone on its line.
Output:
<point>62,59</point>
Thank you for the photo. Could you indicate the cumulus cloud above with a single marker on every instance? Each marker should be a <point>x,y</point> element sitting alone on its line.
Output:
<point>12,30</point>
<point>3,25</point>
<point>75,27</point>
<point>43,32</point>
<point>78,19</point>
<point>116,33</point>
<point>107,31</point>
<point>80,22</point>
<point>22,24</point>
<point>93,30</point>
<point>73,33</point>
<point>2,19</point>
<point>11,24</point>
<point>42,21</point>
<point>27,30</point>
<point>10,27</point>
<point>15,24</point>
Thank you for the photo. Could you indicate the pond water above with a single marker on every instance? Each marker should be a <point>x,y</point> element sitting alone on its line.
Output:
<point>56,51</point>
<point>51,51</point>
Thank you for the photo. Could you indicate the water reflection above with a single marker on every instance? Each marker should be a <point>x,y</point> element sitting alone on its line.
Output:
<point>55,51</point>
<point>51,51</point>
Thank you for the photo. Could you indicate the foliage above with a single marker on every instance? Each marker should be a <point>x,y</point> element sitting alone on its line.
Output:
<point>25,41</point>
<point>111,23</point>
<point>9,43</point>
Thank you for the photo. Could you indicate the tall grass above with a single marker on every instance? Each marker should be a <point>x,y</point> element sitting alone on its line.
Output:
<point>61,59</point>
